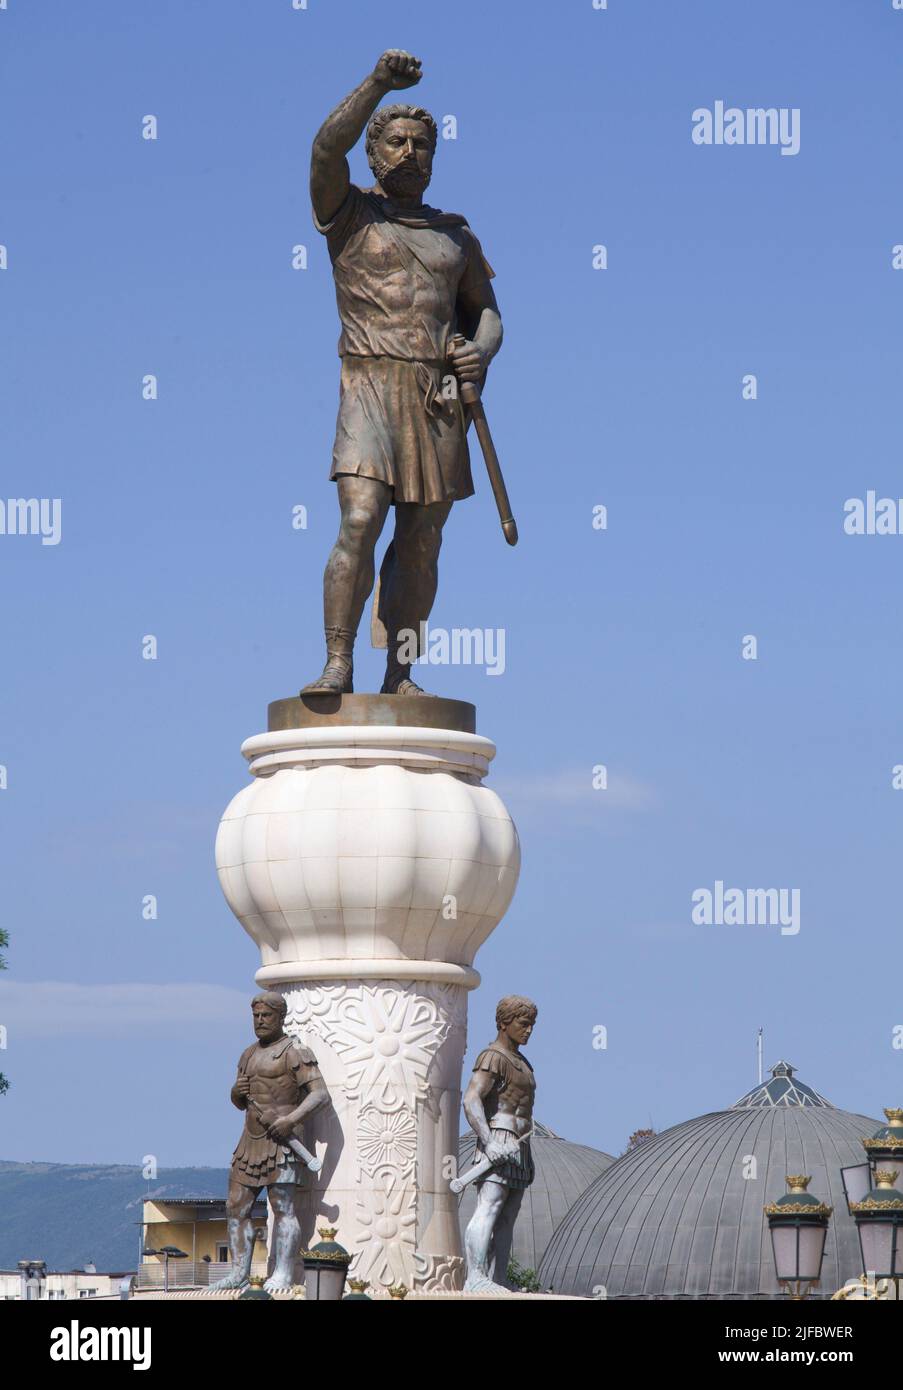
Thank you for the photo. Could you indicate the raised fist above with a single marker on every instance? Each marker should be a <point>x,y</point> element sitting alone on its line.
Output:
<point>397,69</point>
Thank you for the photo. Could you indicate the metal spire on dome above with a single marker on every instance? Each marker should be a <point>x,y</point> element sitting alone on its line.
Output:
<point>782,1089</point>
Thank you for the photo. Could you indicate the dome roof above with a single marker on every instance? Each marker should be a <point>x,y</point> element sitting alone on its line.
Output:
<point>563,1171</point>
<point>782,1089</point>
<point>676,1217</point>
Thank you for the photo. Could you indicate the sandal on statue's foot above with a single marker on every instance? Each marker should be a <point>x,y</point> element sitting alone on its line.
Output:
<point>337,679</point>
<point>338,673</point>
<point>481,1283</point>
<point>231,1281</point>
<point>403,685</point>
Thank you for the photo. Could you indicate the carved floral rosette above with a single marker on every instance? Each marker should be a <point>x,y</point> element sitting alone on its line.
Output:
<point>391,1053</point>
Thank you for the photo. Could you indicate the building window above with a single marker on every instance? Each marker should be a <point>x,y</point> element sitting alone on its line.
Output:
<point>222,1254</point>
<point>87,1293</point>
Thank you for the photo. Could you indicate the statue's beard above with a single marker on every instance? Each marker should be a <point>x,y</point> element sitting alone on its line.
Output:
<point>404,180</point>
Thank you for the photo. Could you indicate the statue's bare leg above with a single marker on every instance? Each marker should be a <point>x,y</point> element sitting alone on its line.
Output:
<point>479,1248</point>
<point>411,589</point>
<point>349,577</point>
<point>286,1236</point>
<point>239,1204</point>
<point>503,1235</point>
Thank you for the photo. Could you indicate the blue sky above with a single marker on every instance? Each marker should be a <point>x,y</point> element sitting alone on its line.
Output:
<point>623,647</point>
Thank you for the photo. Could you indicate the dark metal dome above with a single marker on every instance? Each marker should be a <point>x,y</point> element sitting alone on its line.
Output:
<point>563,1171</point>
<point>677,1218</point>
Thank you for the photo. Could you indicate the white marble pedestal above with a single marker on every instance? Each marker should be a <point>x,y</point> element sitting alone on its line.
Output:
<point>369,863</point>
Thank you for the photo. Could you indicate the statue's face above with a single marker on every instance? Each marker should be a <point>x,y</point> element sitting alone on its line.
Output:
<point>267,1022</point>
<point>402,158</point>
<point>520,1028</point>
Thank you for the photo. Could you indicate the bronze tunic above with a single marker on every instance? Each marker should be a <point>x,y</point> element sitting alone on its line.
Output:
<point>397,275</point>
<point>278,1074</point>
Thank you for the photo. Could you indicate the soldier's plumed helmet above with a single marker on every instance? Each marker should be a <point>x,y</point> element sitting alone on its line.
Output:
<point>272,1000</point>
<point>514,1006</point>
<point>400,111</point>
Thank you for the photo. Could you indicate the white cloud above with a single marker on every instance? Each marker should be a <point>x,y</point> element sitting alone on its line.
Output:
<point>52,1008</point>
<point>574,787</point>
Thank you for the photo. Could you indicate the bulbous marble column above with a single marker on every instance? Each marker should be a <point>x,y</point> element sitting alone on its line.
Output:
<point>369,862</point>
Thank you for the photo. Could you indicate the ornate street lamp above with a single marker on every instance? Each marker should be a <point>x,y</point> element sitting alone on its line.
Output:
<point>358,1292</point>
<point>798,1222</point>
<point>255,1290</point>
<point>325,1267</point>
<point>879,1222</point>
<point>884,1149</point>
<point>857,1182</point>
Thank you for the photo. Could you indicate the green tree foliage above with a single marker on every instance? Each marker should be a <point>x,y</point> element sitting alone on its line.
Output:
<point>524,1280</point>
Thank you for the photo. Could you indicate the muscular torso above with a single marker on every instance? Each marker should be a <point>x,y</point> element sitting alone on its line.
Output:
<point>397,285</point>
<point>514,1093</point>
<point>275,1084</point>
<point>394,305</point>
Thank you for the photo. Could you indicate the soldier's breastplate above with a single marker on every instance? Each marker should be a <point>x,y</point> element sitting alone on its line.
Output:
<point>518,1093</point>
<point>272,1084</point>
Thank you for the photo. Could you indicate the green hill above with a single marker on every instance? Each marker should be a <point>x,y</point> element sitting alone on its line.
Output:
<point>71,1215</point>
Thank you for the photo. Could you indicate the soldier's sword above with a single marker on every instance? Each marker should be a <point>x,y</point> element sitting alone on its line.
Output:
<point>297,1148</point>
<point>479,1170</point>
<point>469,392</point>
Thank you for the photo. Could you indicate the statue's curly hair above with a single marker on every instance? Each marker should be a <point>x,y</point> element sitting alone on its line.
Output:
<point>275,1001</point>
<point>514,1006</point>
<point>400,111</point>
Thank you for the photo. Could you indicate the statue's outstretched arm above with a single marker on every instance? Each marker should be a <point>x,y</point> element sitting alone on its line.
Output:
<point>330,177</point>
